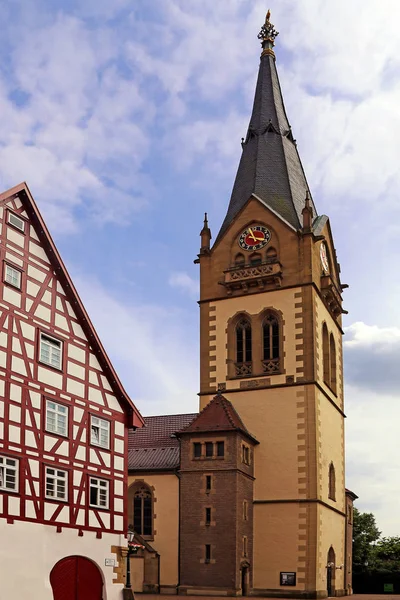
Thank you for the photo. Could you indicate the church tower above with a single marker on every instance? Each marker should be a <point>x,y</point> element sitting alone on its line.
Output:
<point>271,343</point>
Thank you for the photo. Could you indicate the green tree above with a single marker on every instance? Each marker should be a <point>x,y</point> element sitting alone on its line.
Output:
<point>387,554</point>
<point>365,534</point>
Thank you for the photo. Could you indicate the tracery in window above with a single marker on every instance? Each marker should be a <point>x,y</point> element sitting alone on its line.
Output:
<point>243,348</point>
<point>143,511</point>
<point>271,344</point>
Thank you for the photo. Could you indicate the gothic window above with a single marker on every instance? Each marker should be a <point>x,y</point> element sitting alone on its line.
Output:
<point>325,354</point>
<point>143,511</point>
<point>239,260</point>
<point>271,344</point>
<point>332,351</point>
<point>332,482</point>
<point>243,348</point>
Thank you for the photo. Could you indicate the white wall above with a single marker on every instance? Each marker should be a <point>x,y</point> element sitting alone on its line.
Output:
<point>29,551</point>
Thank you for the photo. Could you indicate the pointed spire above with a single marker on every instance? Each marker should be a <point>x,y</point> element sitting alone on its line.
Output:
<point>270,166</point>
<point>205,235</point>
<point>307,213</point>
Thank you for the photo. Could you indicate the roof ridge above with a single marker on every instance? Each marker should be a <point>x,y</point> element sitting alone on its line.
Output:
<point>225,404</point>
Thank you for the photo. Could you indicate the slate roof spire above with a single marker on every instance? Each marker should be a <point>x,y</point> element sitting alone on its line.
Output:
<point>270,166</point>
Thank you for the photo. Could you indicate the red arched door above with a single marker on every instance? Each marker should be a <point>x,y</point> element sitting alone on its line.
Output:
<point>76,578</point>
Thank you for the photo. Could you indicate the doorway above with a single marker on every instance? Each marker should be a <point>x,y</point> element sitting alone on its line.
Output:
<point>244,572</point>
<point>331,572</point>
<point>76,578</point>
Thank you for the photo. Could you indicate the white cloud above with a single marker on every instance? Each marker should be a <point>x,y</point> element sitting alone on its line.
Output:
<point>78,134</point>
<point>185,283</point>
<point>373,470</point>
<point>381,339</point>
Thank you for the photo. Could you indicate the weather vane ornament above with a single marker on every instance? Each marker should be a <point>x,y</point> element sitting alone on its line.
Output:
<point>268,32</point>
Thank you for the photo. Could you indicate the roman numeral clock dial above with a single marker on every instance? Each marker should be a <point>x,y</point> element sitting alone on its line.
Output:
<point>254,238</point>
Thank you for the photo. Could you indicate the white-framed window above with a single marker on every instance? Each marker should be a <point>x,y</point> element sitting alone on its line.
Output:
<point>12,276</point>
<point>100,432</point>
<point>98,489</point>
<point>8,474</point>
<point>16,221</point>
<point>56,418</point>
<point>50,351</point>
<point>56,484</point>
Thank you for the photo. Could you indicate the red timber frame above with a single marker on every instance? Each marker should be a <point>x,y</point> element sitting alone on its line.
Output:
<point>86,383</point>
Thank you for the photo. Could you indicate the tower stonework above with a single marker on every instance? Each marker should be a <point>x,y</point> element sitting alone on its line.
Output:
<point>271,342</point>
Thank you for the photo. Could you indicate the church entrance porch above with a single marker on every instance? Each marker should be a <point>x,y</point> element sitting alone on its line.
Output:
<point>76,578</point>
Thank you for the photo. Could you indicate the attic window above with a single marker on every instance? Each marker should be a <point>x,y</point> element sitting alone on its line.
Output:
<point>16,222</point>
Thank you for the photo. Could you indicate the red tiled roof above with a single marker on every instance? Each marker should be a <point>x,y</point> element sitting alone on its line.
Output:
<point>155,447</point>
<point>153,459</point>
<point>159,431</point>
<point>218,415</point>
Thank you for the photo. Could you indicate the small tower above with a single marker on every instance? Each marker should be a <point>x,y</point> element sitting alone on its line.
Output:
<point>216,501</point>
<point>271,339</point>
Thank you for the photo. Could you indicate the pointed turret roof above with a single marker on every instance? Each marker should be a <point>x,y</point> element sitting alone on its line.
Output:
<point>270,166</point>
<point>218,415</point>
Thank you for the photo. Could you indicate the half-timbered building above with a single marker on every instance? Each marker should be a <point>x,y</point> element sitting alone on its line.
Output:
<point>64,419</point>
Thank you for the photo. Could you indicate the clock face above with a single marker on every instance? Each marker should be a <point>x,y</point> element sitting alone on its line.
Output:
<point>324,258</point>
<point>254,237</point>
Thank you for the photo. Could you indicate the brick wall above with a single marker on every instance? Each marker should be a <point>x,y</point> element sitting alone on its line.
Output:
<point>231,486</point>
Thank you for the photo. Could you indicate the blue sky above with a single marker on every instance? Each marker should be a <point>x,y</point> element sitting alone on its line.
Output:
<point>125,119</point>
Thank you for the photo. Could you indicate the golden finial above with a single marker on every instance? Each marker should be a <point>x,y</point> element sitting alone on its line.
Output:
<point>267,35</point>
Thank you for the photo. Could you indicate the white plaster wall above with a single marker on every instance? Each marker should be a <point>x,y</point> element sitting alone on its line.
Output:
<point>29,571</point>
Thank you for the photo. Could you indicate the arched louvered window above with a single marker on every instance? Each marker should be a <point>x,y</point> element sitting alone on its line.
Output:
<point>325,353</point>
<point>332,482</point>
<point>271,254</point>
<point>243,347</point>
<point>271,344</point>
<point>143,511</point>
<point>239,260</point>
<point>332,356</point>
<point>255,259</point>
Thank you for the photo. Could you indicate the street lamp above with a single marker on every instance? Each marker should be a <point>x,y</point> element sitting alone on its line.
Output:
<point>128,593</point>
